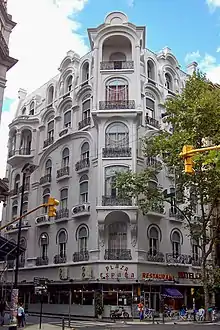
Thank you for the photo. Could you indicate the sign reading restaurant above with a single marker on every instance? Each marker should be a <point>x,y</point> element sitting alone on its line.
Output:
<point>153,276</point>
<point>112,272</point>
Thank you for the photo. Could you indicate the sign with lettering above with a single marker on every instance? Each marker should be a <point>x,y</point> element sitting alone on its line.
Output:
<point>112,272</point>
<point>163,277</point>
<point>189,276</point>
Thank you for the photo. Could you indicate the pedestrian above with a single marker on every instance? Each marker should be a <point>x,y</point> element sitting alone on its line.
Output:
<point>141,310</point>
<point>20,316</point>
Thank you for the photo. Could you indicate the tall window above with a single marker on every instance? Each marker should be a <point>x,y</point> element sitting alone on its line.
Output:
<point>117,90</point>
<point>84,186</point>
<point>117,135</point>
<point>195,250</point>
<point>82,237</point>
<point>65,157</point>
<point>46,195</point>
<point>67,118</point>
<point>69,82</point>
<point>176,244</point>
<point>17,183</point>
<point>117,236</point>
<point>150,70</point>
<point>62,240</point>
<point>27,183</point>
<point>25,145</point>
<point>85,72</point>
<point>50,94</point>
<point>13,142</point>
<point>48,167</point>
<point>31,111</point>
<point>85,151</point>
<point>44,242</point>
<point>64,199</point>
<point>25,205</point>
<point>169,82</point>
<point>50,130</point>
<point>153,241</point>
<point>110,179</point>
<point>14,209</point>
<point>86,109</point>
<point>23,245</point>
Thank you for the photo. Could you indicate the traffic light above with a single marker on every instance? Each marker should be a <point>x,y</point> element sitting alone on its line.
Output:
<point>52,203</point>
<point>189,163</point>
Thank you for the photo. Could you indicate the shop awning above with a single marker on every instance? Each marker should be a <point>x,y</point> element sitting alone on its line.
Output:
<point>172,293</point>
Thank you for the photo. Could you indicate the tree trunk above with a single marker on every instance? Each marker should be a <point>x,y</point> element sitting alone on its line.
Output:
<point>206,300</point>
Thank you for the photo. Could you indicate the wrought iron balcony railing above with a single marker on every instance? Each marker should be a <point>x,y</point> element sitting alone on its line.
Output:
<point>152,122</point>
<point>41,261</point>
<point>116,152</point>
<point>24,151</point>
<point>115,105</point>
<point>116,201</point>
<point>196,261</point>
<point>63,172</point>
<point>45,179</point>
<point>81,256</point>
<point>183,259</point>
<point>61,214</point>
<point>59,259</point>
<point>117,65</point>
<point>155,256</point>
<point>82,164</point>
<point>26,187</point>
<point>48,142</point>
<point>118,254</point>
<point>85,122</point>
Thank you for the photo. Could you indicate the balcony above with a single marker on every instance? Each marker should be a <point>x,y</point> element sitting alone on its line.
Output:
<point>59,259</point>
<point>40,261</point>
<point>63,172</point>
<point>16,157</point>
<point>48,142</point>
<point>62,214</point>
<point>80,256</point>
<point>116,105</point>
<point>153,162</point>
<point>181,259</point>
<point>196,261</point>
<point>42,220</point>
<point>45,179</point>
<point>24,151</point>
<point>14,192</point>
<point>155,256</point>
<point>116,152</point>
<point>175,214</point>
<point>118,254</point>
<point>156,210</point>
<point>117,65</point>
<point>116,201</point>
<point>84,123</point>
<point>82,165</point>
<point>152,122</point>
<point>4,45</point>
<point>82,210</point>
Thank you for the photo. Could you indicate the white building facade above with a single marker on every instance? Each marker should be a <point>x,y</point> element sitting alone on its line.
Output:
<point>79,129</point>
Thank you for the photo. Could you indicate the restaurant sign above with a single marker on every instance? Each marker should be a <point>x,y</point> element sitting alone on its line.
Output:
<point>112,272</point>
<point>189,276</point>
<point>155,276</point>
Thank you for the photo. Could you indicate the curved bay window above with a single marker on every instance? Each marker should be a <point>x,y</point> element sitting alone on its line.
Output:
<point>117,135</point>
<point>84,187</point>
<point>117,90</point>
<point>153,241</point>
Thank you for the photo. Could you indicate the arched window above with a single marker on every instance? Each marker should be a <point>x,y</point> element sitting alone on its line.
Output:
<point>153,241</point>
<point>50,94</point>
<point>65,157</point>
<point>84,187</point>
<point>48,167</point>
<point>44,242</point>
<point>176,242</point>
<point>110,178</point>
<point>14,209</point>
<point>17,183</point>
<point>117,90</point>
<point>85,151</point>
<point>25,145</point>
<point>46,195</point>
<point>31,111</point>
<point>86,109</point>
<point>151,72</point>
<point>62,240</point>
<point>25,205</point>
<point>50,130</point>
<point>23,244</point>
<point>195,250</point>
<point>67,118</point>
<point>24,111</point>
<point>117,236</point>
<point>85,72</point>
<point>169,81</point>
<point>117,135</point>
<point>150,106</point>
<point>64,199</point>
<point>69,82</point>
<point>82,236</point>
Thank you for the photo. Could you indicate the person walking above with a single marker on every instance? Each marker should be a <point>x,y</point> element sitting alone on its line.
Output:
<point>141,310</point>
<point>20,316</point>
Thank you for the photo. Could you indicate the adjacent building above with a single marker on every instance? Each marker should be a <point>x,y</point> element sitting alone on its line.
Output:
<point>80,128</point>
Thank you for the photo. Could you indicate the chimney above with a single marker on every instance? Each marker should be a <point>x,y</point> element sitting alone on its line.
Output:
<point>191,68</point>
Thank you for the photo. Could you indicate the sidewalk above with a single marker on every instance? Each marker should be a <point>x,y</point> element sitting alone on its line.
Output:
<point>44,326</point>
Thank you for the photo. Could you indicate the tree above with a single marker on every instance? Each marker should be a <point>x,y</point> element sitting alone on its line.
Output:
<point>194,116</point>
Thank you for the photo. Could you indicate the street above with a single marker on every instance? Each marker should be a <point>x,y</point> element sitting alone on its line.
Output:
<point>55,323</point>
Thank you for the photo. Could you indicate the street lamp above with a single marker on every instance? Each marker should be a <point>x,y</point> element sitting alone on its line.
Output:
<point>27,169</point>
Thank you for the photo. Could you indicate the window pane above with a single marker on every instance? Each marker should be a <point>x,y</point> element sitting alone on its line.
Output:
<point>150,104</point>
<point>64,193</point>
<point>67,117</point>
<point>83,187</point>
<point>82,232</point>
<point>86,105</point>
